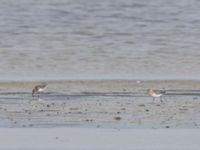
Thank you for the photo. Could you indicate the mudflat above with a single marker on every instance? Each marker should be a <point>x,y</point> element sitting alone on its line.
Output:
<point>101,103</point>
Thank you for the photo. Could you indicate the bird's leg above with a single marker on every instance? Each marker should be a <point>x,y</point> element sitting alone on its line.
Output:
<point>38,94</point>
<point>164,97</point>
<point>161,99</point>
<point>154,99</point>
<point>33,92</point>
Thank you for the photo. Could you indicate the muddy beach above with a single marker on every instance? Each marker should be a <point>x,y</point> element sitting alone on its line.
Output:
<point>96,103</point>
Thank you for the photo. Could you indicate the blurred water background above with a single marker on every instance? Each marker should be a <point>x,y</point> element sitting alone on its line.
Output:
<point>99,39</point>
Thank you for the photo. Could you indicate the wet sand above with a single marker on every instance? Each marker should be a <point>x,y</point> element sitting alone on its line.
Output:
<point>98,139</point>
<point>96,103</point>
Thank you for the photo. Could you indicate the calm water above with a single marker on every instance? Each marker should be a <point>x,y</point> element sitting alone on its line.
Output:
<point>59,39</point>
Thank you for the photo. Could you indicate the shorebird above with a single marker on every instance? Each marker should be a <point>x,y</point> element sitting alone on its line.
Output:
<point>39,88</point>
<point>156,93</point>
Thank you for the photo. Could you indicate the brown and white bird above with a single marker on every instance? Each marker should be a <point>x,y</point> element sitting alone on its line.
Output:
<point>156,93</point>
<point>38,89</point>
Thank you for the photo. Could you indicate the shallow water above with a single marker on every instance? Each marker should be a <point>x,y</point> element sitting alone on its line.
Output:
<point>99,39</point>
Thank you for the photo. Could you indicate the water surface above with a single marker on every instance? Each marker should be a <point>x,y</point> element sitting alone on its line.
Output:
<point>99,39</point>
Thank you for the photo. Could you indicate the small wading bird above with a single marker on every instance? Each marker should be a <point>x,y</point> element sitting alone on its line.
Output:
<point>156,93</point>
<point>38,89</point>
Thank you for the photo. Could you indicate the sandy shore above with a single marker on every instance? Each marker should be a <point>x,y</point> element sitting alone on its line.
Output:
<point>96,103</point>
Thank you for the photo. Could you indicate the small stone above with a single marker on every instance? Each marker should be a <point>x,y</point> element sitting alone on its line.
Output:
<point>117,118</point>
<point>141,105</point>
<point>76,108</point>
